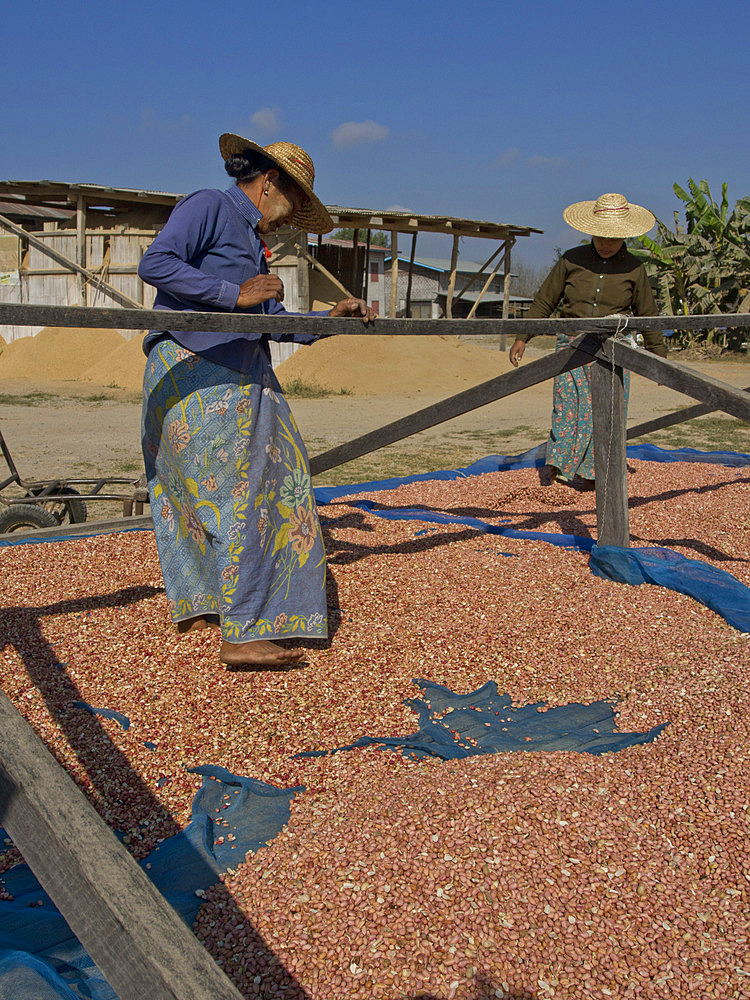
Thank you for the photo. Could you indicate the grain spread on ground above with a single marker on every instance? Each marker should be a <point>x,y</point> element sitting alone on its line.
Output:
<point>509,875</point>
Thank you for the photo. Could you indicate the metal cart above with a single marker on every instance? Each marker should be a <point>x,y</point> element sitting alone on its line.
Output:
<point>54,502</point>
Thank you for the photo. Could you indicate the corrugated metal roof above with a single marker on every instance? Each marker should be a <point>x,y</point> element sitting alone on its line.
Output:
<point>34,211</point>
<point>407,222</point>
<point>494,297</point>
<point>443,264</point>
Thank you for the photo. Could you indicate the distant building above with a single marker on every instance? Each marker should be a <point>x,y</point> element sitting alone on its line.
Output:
<point>430,286</point>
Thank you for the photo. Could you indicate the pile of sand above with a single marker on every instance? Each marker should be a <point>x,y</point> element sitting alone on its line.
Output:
<point>362,365</point>
<point>58,353</point>
<point>122,367</point>
<point>389,365</point>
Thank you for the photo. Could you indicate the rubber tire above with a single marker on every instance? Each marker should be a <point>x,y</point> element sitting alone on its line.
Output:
<point>22,517</point>
<point>64,511</point>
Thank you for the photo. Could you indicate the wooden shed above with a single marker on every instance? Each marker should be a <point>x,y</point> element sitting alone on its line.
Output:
<point>80,244</point>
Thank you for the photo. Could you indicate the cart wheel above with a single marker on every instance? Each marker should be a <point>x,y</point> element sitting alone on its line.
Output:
<point>64,510</point>
<point>22,517</point>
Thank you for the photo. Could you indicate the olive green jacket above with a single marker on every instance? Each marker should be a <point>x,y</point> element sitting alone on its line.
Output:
<point>583,284</point>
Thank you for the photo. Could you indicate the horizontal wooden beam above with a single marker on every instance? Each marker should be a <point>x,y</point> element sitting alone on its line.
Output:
<point>141,945</point>
<point>670,419</point>
<point>470,399</point>
<point>23,314</point>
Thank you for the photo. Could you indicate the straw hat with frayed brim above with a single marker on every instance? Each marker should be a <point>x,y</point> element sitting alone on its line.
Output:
<point>295,162</point>
<point>611,216</point>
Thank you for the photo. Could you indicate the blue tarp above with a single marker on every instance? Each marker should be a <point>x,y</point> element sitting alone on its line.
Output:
<point>39,955</point>
<point>534,458</point>
<point>715,588</point>
<point>454,726</point>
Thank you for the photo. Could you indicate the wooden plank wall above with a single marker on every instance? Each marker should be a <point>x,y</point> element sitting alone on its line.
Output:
<point>42,281</point>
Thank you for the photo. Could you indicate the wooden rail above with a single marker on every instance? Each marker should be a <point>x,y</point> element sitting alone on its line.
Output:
<point>138,941</point>
<point>23,314</point>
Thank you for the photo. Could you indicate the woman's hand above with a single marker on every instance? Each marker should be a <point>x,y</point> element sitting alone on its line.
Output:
<point>353,307</point>
<point>258,289</point>
<point>516,352</point>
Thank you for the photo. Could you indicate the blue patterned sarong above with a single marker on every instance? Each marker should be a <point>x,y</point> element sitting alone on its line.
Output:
<point>234,513</point>
<point>570,447</point>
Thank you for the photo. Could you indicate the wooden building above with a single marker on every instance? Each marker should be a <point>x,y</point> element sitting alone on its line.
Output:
<point>80,244</point>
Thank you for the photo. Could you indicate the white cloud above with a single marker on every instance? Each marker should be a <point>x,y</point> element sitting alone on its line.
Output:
<point>266,119</point>
<point>510,155</point>
<point>397,208</point>
<point>359,133</point>
<point>552,162</point>
<point>148,120</point>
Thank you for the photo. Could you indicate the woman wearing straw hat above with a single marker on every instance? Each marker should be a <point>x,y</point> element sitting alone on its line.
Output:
<point>599,278</point>
<point>235,519</point>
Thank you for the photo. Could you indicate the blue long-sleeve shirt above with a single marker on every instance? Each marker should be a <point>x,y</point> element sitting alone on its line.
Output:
<point>207,249</point>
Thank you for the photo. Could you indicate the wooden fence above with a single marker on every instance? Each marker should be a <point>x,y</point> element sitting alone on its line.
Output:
<point>139,943</point>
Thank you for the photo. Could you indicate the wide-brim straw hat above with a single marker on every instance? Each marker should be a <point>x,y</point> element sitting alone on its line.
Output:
<point>295,162</point>
<point>611,215</point>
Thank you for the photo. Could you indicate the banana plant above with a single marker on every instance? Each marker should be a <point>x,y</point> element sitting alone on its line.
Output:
<point>704,268</point>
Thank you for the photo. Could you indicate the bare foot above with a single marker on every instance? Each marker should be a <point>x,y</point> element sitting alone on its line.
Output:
<point>197,623</point>
<point>261,654</point>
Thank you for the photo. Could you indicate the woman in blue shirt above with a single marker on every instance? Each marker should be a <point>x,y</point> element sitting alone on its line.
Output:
<point>234,514</point>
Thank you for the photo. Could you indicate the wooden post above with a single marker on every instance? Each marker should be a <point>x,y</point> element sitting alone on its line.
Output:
<point>486,285</point>
<point>303,274</point>
<point>366,288</point>
<point>477,276</point>
<point>355,284</point>
<point>506,284</point>
<point>138,941</point>
<point>394,274</point>
<point>81,247</point>
<point>452,280</point>
<point>411,269</point>
<point>608,405</point>
<point>324,270</point>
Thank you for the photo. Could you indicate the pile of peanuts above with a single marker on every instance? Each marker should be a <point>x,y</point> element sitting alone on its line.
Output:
<point>528,875</point>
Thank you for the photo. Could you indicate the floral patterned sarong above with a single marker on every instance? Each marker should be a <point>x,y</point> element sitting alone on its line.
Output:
<point>234,513</point>
<point>570,447</point>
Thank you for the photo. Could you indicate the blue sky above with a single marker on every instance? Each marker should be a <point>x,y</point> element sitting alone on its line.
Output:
<point>488,110</point>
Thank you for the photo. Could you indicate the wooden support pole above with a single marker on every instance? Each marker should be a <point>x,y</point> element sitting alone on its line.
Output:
<point>670,419</point>
<point>355,284</point>
<point>411,274</point>
<point>366,288</point>
<point>324,270</point>
<point>303,274</point>
<point>478,275</point>
<point>138,941</point>
<point>81,247</point>
<point>506,285</point>
<point>486,285</point>
<point>608,406</point>
<point>394,275</point>
<point>71,265</point>
<point>675,376</point>
<point>452,280</point>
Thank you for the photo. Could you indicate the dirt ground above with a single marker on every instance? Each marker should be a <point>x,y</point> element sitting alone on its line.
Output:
<point>58,429</point>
